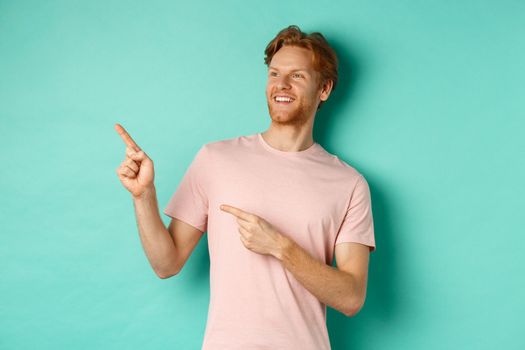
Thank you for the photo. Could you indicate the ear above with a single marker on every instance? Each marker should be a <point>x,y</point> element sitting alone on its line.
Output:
<point>326,89</point>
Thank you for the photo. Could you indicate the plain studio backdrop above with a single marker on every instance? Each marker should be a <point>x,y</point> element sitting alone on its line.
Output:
<point>429,109</point>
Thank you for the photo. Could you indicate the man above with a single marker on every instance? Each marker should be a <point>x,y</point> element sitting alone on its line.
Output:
<point>276,206</point>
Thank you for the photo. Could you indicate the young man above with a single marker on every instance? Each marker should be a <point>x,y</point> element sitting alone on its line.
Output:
<point>276,206</point>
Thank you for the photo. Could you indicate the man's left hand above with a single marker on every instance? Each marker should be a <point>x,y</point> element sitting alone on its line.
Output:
<point>257,234</point>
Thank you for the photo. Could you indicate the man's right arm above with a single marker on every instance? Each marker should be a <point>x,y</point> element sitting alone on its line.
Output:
<point>167,249</point>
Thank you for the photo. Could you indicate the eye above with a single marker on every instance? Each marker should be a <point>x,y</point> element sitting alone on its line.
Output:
<point>273,74</point>
<point>297,75</point>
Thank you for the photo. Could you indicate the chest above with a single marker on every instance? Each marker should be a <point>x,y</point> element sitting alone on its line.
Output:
<point>302,202</point>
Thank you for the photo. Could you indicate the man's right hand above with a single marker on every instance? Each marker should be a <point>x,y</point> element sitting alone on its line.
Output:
<point>136,171</point>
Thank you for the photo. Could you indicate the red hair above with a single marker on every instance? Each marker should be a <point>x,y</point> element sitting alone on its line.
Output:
<point>324,58</point>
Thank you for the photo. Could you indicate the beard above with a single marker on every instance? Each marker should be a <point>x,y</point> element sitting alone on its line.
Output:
<point>289,116</point>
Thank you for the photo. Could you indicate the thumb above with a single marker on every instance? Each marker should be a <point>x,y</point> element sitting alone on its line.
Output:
<point>139,156</point>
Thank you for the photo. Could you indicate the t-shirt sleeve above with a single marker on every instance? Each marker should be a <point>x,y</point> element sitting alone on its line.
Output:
<point>189,203</point>
<point>358,223</point>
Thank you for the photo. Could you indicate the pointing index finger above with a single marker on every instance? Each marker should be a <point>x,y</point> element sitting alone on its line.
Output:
<point>236,211</point>
<point>125,136</point>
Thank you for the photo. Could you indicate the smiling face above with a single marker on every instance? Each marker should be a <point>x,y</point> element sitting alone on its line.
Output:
<point>292,91</point>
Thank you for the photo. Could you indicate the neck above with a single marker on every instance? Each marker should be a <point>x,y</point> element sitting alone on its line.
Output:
<point>288,139</point>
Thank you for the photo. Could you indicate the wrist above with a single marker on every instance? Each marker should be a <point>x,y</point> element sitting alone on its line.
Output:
<point>284,244</point>
<point>148,192</point>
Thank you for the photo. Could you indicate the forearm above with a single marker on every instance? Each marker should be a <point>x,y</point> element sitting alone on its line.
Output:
<point>156,240</point>
<point>330,285</point>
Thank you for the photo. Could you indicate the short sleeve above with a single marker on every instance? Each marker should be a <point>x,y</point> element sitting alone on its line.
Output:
<point>189,203</point>
<point>358,223</point>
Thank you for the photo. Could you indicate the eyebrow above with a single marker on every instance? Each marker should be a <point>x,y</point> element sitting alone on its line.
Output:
<point>293,70</point>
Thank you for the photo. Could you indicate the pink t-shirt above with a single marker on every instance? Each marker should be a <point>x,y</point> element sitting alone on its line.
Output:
<point>311,196</point>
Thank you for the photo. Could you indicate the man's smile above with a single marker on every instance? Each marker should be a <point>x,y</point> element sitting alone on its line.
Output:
<point>283,99</point>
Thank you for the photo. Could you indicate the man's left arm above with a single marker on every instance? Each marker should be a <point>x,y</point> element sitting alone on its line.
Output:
<point>342,288</point>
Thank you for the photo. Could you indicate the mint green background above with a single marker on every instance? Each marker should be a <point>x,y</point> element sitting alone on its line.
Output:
<point>429,108</point>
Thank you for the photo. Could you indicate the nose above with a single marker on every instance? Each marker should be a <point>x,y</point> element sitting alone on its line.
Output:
<point>283,83</point>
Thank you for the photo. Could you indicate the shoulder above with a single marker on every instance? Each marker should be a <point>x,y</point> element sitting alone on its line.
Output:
<point>227,146</point>
<point>338,166</point>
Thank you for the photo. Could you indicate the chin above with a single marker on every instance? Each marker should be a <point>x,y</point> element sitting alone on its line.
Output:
<point>291,116</point>
<point>281,116</point>
<point>287,118</point>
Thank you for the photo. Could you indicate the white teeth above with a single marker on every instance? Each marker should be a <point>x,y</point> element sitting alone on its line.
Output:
<point>283,99</point>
